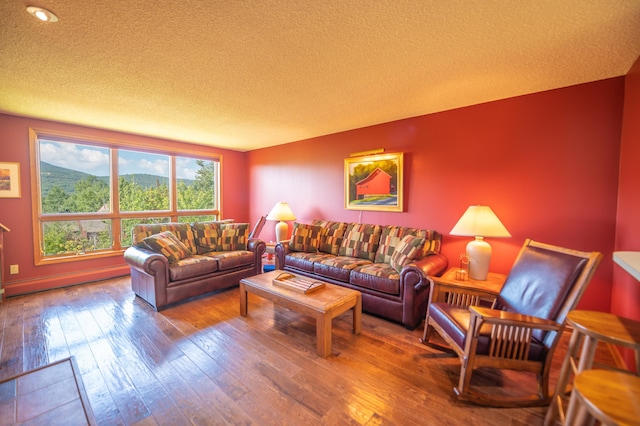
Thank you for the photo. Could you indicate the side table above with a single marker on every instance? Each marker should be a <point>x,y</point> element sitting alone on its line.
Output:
<point>446,289</point>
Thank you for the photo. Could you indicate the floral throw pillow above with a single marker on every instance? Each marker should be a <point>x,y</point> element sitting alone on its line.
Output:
<point>305,238</point>
<point>168,245</point>
<point>408,249</point>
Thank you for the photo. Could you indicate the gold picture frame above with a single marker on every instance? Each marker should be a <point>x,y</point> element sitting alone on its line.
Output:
<point>9,180</point>
<point>374,182</point>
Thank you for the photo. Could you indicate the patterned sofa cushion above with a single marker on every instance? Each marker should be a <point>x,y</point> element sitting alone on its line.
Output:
<point>377,276</point>
<point>331,235</point>
<point>304,261</point>
<point>190,267</point>
<point>168,245</point>
<point>208,236</point>
<point>233,236</point>
<point>182,231</point>
<point>305,238</point>
<point>361,241</point>
<point>408,249</point>
<point>338,267</point>
<point>432,242</point>
<point>392,235</point>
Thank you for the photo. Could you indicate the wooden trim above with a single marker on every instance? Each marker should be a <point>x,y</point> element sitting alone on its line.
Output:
<point>63,280</point>
<point>114,215</point>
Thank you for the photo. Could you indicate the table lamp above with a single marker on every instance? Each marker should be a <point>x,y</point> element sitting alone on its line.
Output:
<point>479,222</point>
<point>281,212</point>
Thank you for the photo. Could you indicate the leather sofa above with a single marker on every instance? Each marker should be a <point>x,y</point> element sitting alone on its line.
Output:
<point>376,260</point>
<point>217,256</point>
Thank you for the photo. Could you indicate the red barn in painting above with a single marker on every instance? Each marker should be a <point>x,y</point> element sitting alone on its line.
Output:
<point>377,183</point>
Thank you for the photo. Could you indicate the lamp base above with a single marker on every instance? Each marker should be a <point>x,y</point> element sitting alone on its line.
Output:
<point>282,230</point>
<point>479,252</point>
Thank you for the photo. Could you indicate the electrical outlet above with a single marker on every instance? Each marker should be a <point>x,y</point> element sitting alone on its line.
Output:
<point>13,269</point>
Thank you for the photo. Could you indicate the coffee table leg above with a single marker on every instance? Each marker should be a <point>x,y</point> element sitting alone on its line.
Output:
<point>323,335</point>
<point>243,300</point>
<point>357,315</point>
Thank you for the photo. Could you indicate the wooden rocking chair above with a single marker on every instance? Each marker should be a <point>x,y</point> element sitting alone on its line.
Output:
<point>523,327</point>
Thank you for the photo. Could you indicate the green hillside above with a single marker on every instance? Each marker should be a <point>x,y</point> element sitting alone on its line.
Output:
<point>66,178</point>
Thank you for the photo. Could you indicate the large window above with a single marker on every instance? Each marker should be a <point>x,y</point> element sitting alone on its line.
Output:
<point>88,193</point>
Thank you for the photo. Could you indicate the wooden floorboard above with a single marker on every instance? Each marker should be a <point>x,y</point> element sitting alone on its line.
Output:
<point>200,362</point>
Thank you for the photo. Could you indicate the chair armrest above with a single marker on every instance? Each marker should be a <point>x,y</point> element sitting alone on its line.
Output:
<point>459,294</point>
<point>511,333</point>
<point>495,316</point>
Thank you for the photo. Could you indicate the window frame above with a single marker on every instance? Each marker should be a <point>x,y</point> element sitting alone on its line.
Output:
<point>114,214</point>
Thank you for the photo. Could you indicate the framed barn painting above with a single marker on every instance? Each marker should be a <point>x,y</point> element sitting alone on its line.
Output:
<point>373,182</point>
<point>9,180</point>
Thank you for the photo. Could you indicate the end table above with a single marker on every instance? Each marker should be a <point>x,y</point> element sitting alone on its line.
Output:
<point>446,289</point>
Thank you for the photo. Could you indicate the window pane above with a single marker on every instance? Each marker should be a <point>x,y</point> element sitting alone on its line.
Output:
<point>197,184</point>
<point>189,219</point>
<point>126,225</point>
<point>74,178</point>
<point>143,181</point>
<point>76,236</point>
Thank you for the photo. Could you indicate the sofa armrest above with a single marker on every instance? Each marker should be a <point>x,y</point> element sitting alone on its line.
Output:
<point>258,247</point>
<point>414,287</point>
<point>281,249</point>
<point>434,264</point>
<point>146,261</point>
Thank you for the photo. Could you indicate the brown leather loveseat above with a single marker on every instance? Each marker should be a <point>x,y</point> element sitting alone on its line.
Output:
<point>389,264</point>
<point>207,256</point>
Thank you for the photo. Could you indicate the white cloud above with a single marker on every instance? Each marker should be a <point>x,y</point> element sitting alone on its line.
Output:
<point>185,168</point>
<point>76,157</point>
<point>156,167</point>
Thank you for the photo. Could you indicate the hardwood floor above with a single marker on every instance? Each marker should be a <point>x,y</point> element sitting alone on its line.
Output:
<point>200,362</point>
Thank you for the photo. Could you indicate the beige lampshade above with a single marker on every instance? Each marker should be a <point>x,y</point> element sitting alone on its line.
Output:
<point>479,221</point>
<point>281,211</point>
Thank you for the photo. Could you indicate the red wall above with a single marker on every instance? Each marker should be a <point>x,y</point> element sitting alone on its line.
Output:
<point>625,296</point>
<point>546,163</point>
<point>16,213</point>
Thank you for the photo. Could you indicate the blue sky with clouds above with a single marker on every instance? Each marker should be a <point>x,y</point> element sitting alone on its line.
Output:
<point>95,160</point>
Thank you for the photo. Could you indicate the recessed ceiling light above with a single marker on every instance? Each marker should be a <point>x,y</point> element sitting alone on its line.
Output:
<point>42,14</point>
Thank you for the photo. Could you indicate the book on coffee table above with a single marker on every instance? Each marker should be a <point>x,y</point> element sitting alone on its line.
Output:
<point>294,282</point>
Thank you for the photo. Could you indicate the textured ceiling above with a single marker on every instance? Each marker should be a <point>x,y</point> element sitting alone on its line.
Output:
<point>249,74</point>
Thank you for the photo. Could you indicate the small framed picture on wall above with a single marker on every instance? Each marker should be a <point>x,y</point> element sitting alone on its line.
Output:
<point>9,180</point>
<point>374,182</point>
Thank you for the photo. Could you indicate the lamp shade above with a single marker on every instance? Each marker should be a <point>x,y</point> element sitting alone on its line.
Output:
<point>479,221</point>
<point>281,211</point>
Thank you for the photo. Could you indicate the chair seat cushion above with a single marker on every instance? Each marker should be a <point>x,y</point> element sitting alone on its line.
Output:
<point>455,323</point>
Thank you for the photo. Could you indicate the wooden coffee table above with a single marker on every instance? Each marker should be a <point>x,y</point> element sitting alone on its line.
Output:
<point>323,304</point>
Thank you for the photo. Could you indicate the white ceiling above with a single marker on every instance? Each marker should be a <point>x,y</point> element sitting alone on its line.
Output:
<point>255,73</point>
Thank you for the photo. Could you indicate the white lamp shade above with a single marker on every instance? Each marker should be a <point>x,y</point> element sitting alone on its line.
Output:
<point>479,222</point>
<point>281,212</point>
